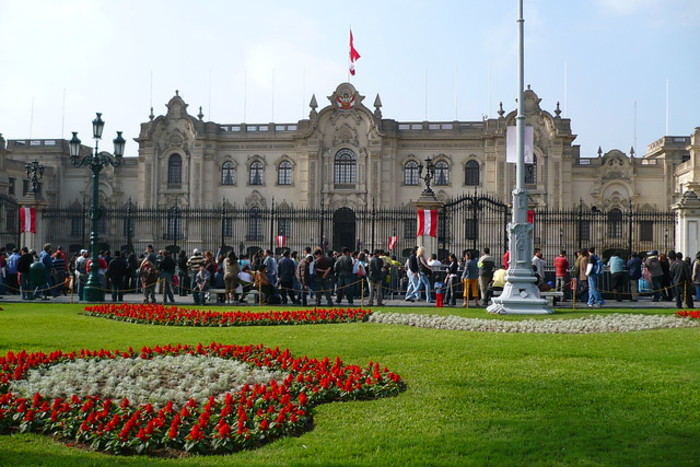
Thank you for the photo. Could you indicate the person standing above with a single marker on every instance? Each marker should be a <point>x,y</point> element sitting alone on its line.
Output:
<point>231,270</point>
<point>451,280</point>
<point>656,272</point>
<point>149,278</point>
<point>580,268</point>
<point>323,268</point>
<point>426,273</point>
<point>377,272</point>
<point>413,276</point>
<point>193,264</point>
<point>617,275</point>
<point>470,278</point>
<point>538,264</point>
<point>183,273</point>
<point>303,273</point>
<point>681,275</point>
<point>594,270</point>
<point>634,270</point>
<point>11,277</point>
<point>346,279</point>
<point>200,285</point>
<point>486,265</point>
<point>286,268</point>
<point>561,273</point>
<point>23,266</point>
<point>272,267</point>
<point>118,274</point>
<point>168,265</point>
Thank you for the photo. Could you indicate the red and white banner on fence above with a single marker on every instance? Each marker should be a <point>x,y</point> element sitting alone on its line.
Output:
<point>427,222</point>
<point>27,220</point>
<point>281,241</point>
<point>393,240</point>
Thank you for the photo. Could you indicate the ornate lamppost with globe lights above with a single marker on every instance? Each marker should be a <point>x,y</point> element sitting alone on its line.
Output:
<point>96,161</point>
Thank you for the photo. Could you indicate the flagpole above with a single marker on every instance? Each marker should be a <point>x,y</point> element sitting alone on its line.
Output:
<point>520,294</point>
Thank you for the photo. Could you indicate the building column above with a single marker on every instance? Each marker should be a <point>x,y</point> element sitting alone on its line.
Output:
<point>687,224</point>
<point>427,201</point>
<point>34,240</point>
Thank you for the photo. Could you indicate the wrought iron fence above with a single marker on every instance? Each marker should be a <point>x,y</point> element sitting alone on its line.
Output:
<point>9,222</point>
<point>469,222</point>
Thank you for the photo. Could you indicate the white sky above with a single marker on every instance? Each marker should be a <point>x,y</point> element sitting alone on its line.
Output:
<point>607,61</point>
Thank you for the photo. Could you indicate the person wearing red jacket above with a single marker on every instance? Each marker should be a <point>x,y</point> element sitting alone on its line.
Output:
<point>561,272</point>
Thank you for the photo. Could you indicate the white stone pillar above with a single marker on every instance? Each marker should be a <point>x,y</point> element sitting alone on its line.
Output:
<point>34,240</point>
<point>687,224</point>
<point>428,202</point>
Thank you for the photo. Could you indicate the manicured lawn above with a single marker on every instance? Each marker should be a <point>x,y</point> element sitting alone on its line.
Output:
<point>472,398</point>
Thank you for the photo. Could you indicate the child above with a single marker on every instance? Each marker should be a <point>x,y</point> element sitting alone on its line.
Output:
<point>201,285</point>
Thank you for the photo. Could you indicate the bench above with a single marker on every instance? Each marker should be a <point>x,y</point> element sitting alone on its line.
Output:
<point>552,296</point>
<point>212,293</point>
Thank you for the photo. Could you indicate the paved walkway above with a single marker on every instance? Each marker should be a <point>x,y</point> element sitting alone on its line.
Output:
<point>643,303</point>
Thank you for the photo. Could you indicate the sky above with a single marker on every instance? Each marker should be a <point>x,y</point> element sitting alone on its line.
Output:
<point>625,71</point>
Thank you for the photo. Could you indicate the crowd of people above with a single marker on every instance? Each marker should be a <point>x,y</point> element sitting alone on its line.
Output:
<point>314,275</point>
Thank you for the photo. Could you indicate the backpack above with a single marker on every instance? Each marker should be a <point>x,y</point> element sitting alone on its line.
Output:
<point>598,266</point>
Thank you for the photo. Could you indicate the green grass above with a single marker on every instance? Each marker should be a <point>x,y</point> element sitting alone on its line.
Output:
<point>472,398</point>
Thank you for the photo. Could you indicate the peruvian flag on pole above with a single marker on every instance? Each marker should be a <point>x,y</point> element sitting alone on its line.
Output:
<point>393,240</point>
<point>427,222</point>
<point>27,220</point>
<point>354,55</point>
<point>281,241</point>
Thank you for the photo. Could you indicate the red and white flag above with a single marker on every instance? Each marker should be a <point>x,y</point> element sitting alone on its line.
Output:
<point>427,222</point>
<point>27,220</point>
<point>393,240</point>
<point>354,55</point>
<point>281,241</point>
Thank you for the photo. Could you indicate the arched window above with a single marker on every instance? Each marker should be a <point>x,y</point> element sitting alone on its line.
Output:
<point>256,173</point>
<point>410,173</point>
<point>615,224</point>
<point>442,173</point>
<point>471,173</point>
<point>174,170</point>
<point>531,171</point>
<point>284,173</point>
<point>228,173</point>
<point>345,167</point>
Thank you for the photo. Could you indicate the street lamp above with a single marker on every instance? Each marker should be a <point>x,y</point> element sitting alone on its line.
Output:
<point>35,172</point>
<point>429,174</point>
<point>96,161</point>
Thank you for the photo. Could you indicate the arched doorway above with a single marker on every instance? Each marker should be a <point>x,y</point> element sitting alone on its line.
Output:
<point>343,228</point>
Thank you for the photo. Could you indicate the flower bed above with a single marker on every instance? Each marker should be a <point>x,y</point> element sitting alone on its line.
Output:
<point>218,422</point>
<point>587,325</point>
<point>695,314</point>
<point>177,316</point>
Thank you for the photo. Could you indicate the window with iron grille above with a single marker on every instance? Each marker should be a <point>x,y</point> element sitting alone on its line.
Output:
<point>531,171</point>
<point>228,227</point>
<point>175,224</point>
<point>256,173</point>
<point>615,223</point>
<point>471,229</point>
<point>76,226</point>
<point>442,173</point>
<point>646,231</point>
<point>284,173</point>
<point>228,173</point>
<point>410,228</point>
<point>174,170</point>
<point>284,227</point>
<point>345,167</point>
<point>410,173</point>
<point>254,225</point>
<point>585,230</point>
<point>471,173</point>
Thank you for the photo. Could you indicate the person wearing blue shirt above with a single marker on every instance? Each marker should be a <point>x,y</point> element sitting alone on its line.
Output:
<point>617,275</point>
<point>11,273</point>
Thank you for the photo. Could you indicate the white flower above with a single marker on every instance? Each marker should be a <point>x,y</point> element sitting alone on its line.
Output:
<point>587,325</point>
<point>155,380</point>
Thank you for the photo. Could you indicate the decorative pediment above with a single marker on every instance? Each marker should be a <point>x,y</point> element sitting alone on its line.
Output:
<point>345,97</point>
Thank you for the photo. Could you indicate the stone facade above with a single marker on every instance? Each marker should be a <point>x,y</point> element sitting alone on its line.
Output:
<point>348,155</point>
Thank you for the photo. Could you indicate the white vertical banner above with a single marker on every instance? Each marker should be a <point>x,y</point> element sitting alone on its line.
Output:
<point>512,150</point>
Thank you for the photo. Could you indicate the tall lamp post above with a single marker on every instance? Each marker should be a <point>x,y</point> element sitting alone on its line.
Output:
<point>96,161</point>
<point>520,294</point>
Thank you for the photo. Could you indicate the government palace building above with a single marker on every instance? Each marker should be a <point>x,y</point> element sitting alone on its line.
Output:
<point>347,157</point>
